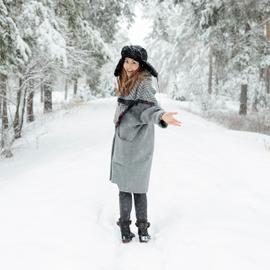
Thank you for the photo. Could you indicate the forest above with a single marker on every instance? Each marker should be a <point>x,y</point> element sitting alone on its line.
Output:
<point>213,56</point>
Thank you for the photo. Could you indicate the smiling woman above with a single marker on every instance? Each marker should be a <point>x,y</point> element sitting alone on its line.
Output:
<point>130,66</point>
<point>133,144</point>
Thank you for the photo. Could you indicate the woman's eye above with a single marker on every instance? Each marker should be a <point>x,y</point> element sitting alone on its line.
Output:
<point>127,62</point>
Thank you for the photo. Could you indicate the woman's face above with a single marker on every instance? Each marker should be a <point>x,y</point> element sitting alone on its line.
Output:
<point>130,66</point>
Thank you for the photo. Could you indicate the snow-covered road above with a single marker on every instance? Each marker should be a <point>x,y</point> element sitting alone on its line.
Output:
<point>209,197</point>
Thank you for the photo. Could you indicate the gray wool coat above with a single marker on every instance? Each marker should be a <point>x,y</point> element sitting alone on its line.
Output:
<point>133,141</point>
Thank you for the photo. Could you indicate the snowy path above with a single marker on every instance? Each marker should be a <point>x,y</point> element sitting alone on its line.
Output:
<point>209,202</point>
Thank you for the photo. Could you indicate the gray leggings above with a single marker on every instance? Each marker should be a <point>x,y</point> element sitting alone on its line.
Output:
<point>125,203</point>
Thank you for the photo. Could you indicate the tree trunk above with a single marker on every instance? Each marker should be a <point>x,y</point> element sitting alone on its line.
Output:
<point>16,122</point>
<point>244,87</point>
<point>4,117</point>
<point>47,97</point>
<point>75,87</point>
<point>23,110</point>
<point>216,75</point>
<point>267,73</point>
<point>30,101</point>
<point>3,86</point>
<point>216,83</point>
<point>210,73</point>
<point>268,30</point>
<point>243,99</point>
<point>66,89</point>
<point>267,80</point>
<point>1,102</point>
<point>41,92</point>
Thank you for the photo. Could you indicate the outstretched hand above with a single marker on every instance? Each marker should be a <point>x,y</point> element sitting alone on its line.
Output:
<point>169,119</point>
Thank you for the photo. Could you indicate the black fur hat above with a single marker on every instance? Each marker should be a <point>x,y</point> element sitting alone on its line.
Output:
<point>137,53</point>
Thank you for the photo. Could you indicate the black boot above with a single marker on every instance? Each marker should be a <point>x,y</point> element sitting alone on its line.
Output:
<point>126,234</point>
<point>142,230</point>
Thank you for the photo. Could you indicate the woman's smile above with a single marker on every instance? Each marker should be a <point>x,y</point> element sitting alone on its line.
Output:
<point>130,65</point>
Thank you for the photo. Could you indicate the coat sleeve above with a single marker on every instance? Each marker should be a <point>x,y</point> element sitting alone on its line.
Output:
<point>150,114</point>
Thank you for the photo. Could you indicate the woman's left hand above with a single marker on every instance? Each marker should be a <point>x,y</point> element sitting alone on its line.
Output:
<point>169,119</point>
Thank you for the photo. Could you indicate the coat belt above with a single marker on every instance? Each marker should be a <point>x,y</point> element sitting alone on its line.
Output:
<point>130,104</point>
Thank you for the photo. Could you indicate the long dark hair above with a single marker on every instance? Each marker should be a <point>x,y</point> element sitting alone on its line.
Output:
<point>125,84</point>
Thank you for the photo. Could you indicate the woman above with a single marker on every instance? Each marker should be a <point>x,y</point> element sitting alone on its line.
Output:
<point>133,143</point>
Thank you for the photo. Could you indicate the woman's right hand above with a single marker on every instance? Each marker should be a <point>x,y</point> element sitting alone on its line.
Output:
<point>169,119</point>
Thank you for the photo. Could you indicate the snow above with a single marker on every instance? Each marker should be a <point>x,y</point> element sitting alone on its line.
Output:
<point>208,201</point>
<point>23,48</point>
<point>52,41</point>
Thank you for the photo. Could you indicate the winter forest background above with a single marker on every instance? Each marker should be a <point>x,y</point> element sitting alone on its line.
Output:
<point>208,201</point>
<point>213,56</point>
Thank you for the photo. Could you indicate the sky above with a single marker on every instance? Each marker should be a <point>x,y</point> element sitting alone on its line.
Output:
<point>140,28</point>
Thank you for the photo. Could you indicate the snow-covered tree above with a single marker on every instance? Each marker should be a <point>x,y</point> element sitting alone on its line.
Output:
<point>13,52</point>
<point>44,40</point>
<point>213,46</point>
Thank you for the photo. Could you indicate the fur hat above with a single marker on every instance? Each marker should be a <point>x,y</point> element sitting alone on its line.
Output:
<point>137,53</point>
